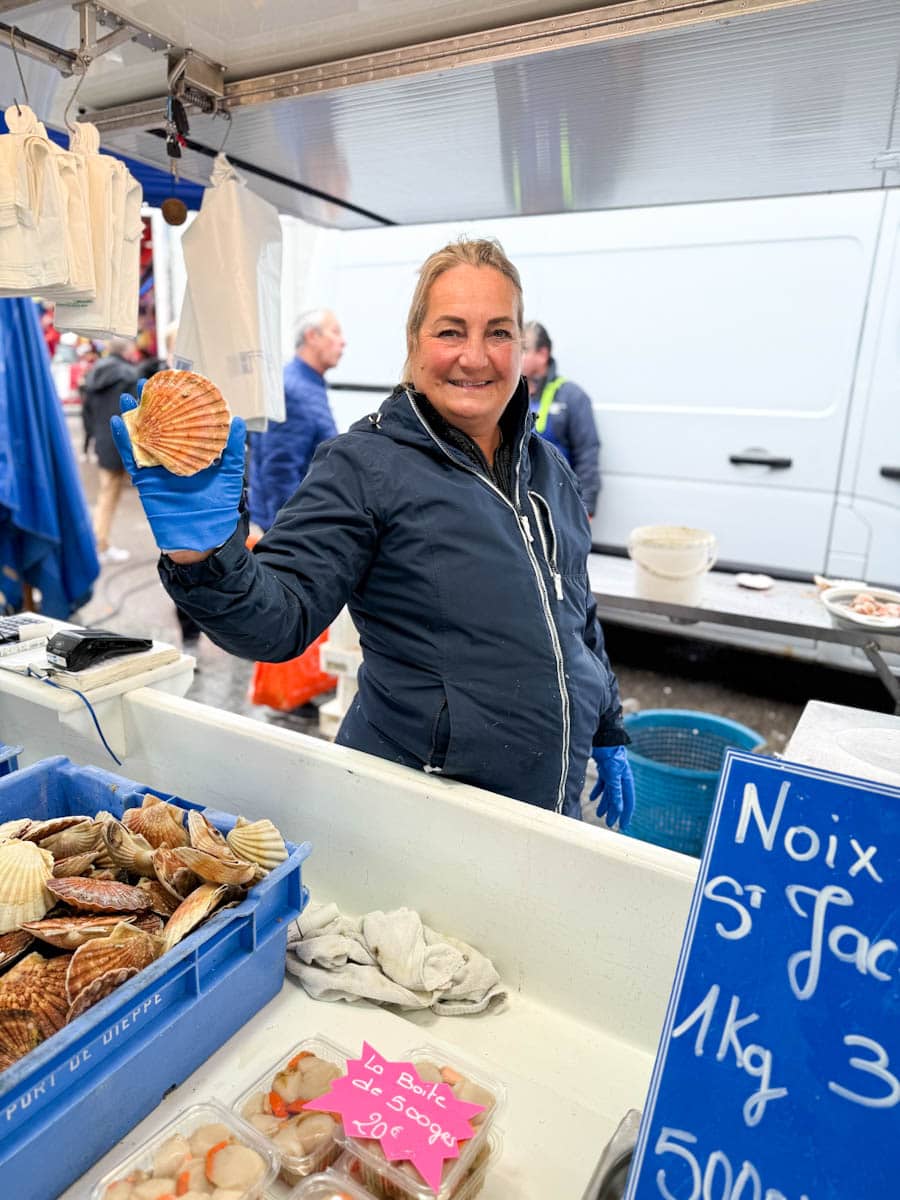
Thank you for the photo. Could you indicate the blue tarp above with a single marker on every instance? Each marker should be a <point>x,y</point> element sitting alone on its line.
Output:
<point>46,538</point>
<point>157,184</point>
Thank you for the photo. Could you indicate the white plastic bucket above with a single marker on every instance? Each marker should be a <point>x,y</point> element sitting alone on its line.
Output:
<point>671,561</point>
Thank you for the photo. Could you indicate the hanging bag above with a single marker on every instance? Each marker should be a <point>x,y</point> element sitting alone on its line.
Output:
<point>230,327</point>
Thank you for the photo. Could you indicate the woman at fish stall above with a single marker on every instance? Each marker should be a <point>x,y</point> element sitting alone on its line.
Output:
<point>457,537</point>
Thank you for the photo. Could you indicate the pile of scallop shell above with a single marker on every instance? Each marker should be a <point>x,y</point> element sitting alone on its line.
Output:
<point>88,902</point>
<point>181,423</point>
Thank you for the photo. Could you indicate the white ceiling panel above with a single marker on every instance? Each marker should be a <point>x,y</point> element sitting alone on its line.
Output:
<point>783,100</point>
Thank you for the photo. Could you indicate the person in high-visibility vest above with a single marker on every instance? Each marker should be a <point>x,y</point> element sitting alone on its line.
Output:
<point>563,412</point>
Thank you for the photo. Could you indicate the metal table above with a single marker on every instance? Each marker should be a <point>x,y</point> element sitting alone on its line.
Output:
<point>788,608</point>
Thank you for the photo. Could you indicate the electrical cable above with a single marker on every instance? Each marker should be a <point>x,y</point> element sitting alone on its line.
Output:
<point>31,673</point>
<point>64,687</point>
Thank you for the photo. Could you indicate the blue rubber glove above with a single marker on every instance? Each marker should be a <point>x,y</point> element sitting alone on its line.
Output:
<point>187,512</point>
<point>614,786</point>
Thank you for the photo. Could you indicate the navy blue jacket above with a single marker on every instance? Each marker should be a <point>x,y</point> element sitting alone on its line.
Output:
<point>280,457</point>
<point>572,429</point>
<point>483,658</point>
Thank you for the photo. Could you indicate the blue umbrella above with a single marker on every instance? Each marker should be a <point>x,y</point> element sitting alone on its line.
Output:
<point>46,539</point>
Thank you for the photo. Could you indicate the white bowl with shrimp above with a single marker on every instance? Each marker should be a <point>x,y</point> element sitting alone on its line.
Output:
<point>840,601</point>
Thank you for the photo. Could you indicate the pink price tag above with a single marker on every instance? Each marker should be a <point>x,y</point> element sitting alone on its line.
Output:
<point>418,1122</point>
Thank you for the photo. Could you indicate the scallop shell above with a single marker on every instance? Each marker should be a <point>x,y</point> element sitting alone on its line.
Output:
<point>68,933</point>
<point>147,922</point>
<point>14,829</point>
<point>12,946</point>
<point>181,423</point>
<point>162,900</point>
<point>124,947</point>
<point>128,850</point>
<point>19,1034</point>
<point>98,895</point>
<point>204,836</point>
<point>157,825</point>
<point>38,986</point>
<point>74,839</point>
<point>75,864</point>
<point>38,830</point>
<point>213,869</point>
<point>98,990</point>
<point>171,872</point>
<point>24,870</point>
<point>259,842</point>
<point>191,911</point>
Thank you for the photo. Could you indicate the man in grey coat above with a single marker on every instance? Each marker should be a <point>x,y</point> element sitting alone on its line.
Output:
<point>563,413</point>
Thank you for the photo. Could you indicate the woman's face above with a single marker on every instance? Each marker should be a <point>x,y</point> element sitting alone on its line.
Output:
<point>469,356</point>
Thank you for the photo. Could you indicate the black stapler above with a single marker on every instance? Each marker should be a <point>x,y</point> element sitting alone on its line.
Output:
<point>78,649</point>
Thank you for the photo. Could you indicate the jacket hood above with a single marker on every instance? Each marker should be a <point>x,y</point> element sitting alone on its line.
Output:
<point>400,420</point>
<point>110,372</point>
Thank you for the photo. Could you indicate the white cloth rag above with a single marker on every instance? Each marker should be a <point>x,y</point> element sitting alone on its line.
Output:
<point>389,958</point>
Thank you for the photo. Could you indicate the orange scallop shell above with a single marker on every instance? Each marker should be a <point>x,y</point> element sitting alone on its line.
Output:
<point>124,948</point>
<point>98,989</point>
<point>98,895</point>
<point>12,946</point>
<point>68,933</point>
<point>19,1034</point>
<point>38,986</point>
<point>181,423</point>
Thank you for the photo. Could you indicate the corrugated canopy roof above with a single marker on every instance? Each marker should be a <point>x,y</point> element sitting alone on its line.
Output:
<point>790,98</point>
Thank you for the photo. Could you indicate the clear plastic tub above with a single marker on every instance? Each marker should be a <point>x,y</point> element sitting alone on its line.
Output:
<point>463,1177</point>
<point>476,1086</point>
<point>468,1082</point>
<point>330,1185</point>
<point>293,1166</point>
<point>163,1158</point>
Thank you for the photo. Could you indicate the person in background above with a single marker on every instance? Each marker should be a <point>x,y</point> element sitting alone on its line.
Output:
<point>103,385</point>
<point>456,537</point>
<point>280,457</point>
<point>563,412</point>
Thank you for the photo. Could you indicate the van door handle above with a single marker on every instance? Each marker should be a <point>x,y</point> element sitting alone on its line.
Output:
<point>890,472</point>
<point>761,459</point>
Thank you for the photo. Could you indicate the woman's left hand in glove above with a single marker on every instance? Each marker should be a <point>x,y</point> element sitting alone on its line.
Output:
<point>614,786</point>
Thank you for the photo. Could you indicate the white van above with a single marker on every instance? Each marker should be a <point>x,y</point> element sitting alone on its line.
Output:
<point>743,358</point>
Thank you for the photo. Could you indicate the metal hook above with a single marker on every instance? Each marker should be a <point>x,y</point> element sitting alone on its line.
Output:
<point>83,63</point>
<point>223,112</point>
<point>12,45</point>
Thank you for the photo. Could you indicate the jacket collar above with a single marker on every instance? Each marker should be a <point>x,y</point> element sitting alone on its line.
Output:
<point>405,418</point>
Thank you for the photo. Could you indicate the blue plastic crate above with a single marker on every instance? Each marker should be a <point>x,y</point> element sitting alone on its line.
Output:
<point>676,757</point>
<point>68,1101</point>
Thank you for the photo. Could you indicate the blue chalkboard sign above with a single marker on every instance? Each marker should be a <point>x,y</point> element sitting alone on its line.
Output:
<point>778,1073</point>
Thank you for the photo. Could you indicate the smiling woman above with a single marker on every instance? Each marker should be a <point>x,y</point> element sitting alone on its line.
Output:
<point>467,356</point>
<point>458,539</point>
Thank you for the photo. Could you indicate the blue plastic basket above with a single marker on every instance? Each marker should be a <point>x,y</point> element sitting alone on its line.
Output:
<point>676,757</point>
<point>67,1102</point>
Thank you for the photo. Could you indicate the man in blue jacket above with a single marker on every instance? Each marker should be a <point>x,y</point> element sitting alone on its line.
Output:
<point>563,413</point>
<point>280,457</point>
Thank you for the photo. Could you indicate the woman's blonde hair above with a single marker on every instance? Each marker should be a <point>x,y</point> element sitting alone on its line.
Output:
<point>471,252</point>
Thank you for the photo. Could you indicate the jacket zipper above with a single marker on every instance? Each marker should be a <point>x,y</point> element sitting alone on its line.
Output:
<point>549,553</point>
<point>528,539</point>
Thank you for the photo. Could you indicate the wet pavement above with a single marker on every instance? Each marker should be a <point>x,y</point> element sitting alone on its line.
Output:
<point>655,670</point>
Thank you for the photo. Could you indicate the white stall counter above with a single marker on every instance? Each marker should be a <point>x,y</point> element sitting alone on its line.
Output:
<point>584,925</point>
